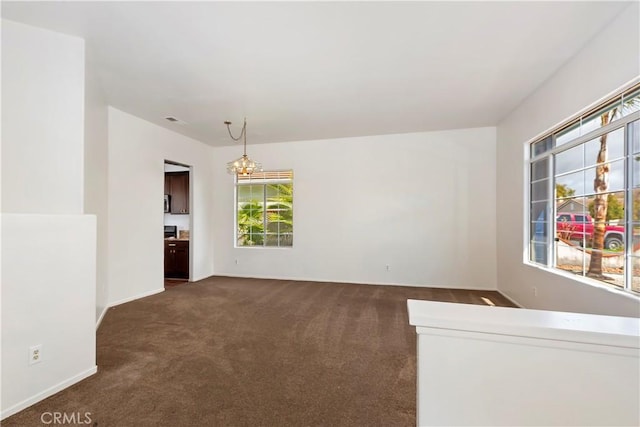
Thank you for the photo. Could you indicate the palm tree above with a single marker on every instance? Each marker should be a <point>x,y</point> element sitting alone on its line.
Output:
<point>279,213</point>
<point>250,224</point>
<point>600,186</point>
<point>277,218</point>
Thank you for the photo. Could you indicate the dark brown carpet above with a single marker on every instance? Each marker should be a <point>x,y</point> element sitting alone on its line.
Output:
<point>174,282</point>
<point>249,352</point>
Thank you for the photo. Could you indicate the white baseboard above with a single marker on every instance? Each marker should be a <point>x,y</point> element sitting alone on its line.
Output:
<point>307,279</point>
<point>135,297</point>
<point>104,311</point>
<point>46,393</point>
<point>125,300</point>
<point>511,299</point>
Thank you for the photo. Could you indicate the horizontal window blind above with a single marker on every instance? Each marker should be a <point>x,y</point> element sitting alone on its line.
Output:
<point>258,177</point>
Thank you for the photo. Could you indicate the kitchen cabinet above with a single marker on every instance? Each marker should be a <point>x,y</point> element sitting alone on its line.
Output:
<point>176,185</point>
<point>176,259</point>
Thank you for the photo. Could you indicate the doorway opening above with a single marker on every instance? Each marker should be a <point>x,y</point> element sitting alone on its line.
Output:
<point>177,223</point>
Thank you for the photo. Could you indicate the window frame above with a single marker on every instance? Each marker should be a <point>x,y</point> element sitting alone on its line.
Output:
<point>264,182</point>
<point>547,141</point>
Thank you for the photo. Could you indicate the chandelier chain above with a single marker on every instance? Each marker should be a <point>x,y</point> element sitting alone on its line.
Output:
<point>244,165</point>
<point>242,132</point>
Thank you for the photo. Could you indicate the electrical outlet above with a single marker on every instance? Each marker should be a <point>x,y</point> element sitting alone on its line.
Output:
<point>535,291</point>
<point>237,262</point>
<point>388,267</point>
<point>35,354</point>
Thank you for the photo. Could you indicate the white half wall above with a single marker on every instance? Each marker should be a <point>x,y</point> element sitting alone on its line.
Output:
<point>43,103</point>
<point>359,206</point>
<point>48,299</point>
<point>607,62</point>
<point>137,152</point>
<point>519,367</point>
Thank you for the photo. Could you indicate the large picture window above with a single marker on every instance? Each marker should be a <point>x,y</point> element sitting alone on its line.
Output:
<point>264,209</point>
<point>584,195</point>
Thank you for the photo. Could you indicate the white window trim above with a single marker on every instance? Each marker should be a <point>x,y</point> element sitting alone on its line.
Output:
<point>528,159</point>
<point>260,181</point>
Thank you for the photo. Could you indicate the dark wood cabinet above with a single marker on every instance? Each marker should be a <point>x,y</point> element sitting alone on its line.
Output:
<point>176,259</point>
<point>176,185</point>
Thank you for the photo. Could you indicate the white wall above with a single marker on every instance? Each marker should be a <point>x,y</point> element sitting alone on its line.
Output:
<point>42,90</point>
<point>605,63</point>
<point>137,152</point>
<point>180,221</point>
<point>95,175</point>
<point>168,167</point>
<point>359,206</point>
<point>48,297</point>
<point>48,246</point>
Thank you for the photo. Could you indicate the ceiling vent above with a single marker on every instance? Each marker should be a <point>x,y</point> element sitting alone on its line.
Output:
<point>175,120</point>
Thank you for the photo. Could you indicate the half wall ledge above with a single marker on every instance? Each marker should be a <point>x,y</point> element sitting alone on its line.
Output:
<point>482,365</point>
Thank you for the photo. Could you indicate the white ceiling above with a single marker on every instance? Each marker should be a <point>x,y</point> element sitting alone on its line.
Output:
<point>315,70</point>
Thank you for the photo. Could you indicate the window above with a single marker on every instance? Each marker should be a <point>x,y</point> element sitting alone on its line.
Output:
<point>264,209</point>
<point>584,195</point>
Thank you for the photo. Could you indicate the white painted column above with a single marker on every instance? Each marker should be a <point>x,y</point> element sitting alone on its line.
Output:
<point>481,365</point>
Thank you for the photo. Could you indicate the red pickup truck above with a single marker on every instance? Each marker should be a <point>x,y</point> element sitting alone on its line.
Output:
<point>579,227</point>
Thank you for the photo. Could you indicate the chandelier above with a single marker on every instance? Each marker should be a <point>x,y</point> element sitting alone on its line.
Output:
<point>244,165</point>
